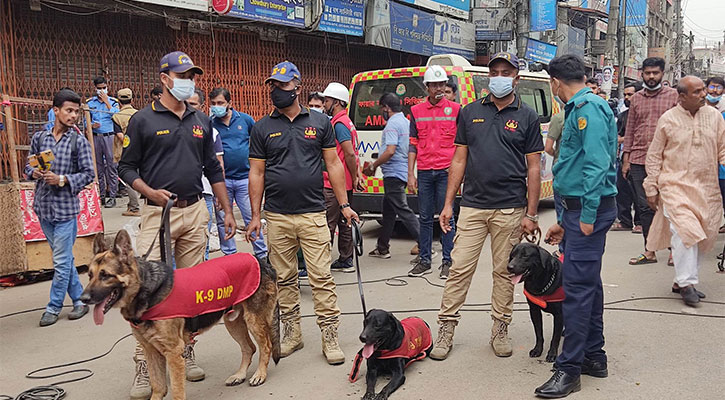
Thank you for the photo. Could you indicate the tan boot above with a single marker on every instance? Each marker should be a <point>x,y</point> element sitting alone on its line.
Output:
<point>331,346</point>
<point>194,373</point>
<point>500,341</point>
<point>141,389</point>
<point>444,342</point>
<point>291,337</point>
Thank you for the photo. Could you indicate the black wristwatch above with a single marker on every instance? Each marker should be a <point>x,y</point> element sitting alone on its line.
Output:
<point>344,206</point>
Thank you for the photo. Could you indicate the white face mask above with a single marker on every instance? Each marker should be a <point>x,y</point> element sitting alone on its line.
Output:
<point>104,91</point>
<point>659,85</point>
<point>501,86</point>
<point>183,89</point>
<point>318,109</point>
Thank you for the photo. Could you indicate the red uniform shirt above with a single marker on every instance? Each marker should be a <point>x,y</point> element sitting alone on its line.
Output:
<point>433,131</point>
<point>344,119</point>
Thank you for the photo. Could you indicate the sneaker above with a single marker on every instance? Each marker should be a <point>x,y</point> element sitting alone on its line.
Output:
<point>416,260</point>
<point>445,269</point>
<point>380,254</point>
<point>78,312</point>
<point>111,202</point>
<point>302,274</point>
<point>343,265</point>
<point>419,270</point>
<point>291,337</point>
<point>500,341</point>
<point>131,213</point>
<point>331,345</point>
<point>48,319</point>
<point>444,342</point>
<point>194,373</point>
<point>141,389</point>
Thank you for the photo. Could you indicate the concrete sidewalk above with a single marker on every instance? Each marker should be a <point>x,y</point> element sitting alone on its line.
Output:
<point>651,355</point>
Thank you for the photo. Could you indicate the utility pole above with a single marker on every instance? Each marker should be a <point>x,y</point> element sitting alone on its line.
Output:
<point>691,69</point>
<point>522,26</point>
<point>678,40</point>
<point>609,44</point>
<point>622,46</point>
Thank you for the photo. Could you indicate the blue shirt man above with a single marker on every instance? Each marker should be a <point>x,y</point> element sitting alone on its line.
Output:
<point>396,133</point>
<point>101,114</point>
<point>585,177</point>
<point>102,108</point>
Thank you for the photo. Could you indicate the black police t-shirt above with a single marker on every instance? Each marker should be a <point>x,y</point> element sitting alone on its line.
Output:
<point>498,142</point>
<point>292,151</point>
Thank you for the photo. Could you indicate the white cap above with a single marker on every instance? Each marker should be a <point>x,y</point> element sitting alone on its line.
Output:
<point>435,73</point>
<point>337,91</point>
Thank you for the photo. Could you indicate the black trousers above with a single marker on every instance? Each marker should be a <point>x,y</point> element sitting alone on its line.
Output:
<point>637,174</point>
<point>395,204</point>
<point>625,200</point>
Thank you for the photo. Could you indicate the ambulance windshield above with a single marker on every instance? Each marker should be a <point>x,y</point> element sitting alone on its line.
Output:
<point>365,107</point>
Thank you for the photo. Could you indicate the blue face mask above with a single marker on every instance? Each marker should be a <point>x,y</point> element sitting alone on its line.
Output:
<point>501,86</point>
<point>219,111</point>
<point>713,99</point>
<point>183,89</point>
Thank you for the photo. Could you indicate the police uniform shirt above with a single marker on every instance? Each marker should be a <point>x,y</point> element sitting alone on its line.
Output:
<point>498,142</point>
<point>101,114</point>
<point>168,152</point>
<point>292,152</point>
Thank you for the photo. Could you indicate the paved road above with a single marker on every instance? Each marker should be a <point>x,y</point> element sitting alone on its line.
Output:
<point>651,355</point>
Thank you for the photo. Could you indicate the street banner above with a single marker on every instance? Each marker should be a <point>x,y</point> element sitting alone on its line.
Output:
<point>539,51</point>
<point>280,12</point>
<point>196,5</point>
<point>493,23</point>
<point>636,13</point>
<point>343,16</point>
<point>454,36</point>
<point>455,8</point>
<point>90,220</point>
<point>543,15</point>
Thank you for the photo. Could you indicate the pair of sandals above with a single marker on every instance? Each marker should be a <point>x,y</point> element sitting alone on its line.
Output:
<point>618,227</point>
<point>642,260</point>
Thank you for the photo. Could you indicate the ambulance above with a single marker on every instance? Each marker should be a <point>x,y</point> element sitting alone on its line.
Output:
<point>407,82</point>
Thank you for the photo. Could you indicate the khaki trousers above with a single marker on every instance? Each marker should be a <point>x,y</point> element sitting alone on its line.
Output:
<point>287,233</point>
<point>188,233</point>
<point>474,225</point>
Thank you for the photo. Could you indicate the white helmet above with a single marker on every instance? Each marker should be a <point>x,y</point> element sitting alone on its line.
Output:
<point>337,91</point>
<point>435,73</point>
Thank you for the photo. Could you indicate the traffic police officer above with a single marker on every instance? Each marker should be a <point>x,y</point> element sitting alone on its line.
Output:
<point>168,144</point>
<point>585,177</point>
<point>102,108</point>
<point>286,151</point>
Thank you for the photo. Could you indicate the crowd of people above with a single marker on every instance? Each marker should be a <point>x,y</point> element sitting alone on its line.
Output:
<point>299,167</point>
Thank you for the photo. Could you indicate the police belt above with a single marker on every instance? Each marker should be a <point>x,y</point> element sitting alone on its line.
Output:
<point>574,203</point>
<point>180,203</point>
<point>103,134</point>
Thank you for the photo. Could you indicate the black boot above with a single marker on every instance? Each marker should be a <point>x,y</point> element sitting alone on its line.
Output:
<point>559,385</point>
<point>597,369</point>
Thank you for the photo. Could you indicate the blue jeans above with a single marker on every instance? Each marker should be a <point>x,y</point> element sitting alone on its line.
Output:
<point>238,191</point>
<point>432,185</point>
<point>584,304</point>
<point>61,237</point>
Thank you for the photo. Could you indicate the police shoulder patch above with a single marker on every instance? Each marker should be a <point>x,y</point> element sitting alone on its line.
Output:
<point>582,123</point>
<point>126,141</point>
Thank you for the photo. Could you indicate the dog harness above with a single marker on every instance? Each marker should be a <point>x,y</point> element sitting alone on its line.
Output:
<point>416,343</point>
<point>543,300</point>
<point>211,286</point>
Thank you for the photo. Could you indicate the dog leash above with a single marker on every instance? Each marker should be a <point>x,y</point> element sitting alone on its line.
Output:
<point>532,238</point>
<point>357,243</point>
<point>164,233</point>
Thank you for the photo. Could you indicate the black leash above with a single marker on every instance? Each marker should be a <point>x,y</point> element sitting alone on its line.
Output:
<point>357,242</point>
<point>164,233</point>
<point>721,263</point>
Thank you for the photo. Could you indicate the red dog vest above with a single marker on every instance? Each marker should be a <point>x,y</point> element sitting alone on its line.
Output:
<point>211,286</point>
<point>542,301</point>
<point>416,342</point>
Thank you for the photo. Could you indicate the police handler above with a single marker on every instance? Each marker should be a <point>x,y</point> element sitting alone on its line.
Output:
<point>499,148</point>
<point>286,152</point>
<point>585,177</point>
<point>167,146</point>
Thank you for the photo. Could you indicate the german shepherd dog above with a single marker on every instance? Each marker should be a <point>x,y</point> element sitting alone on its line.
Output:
<point>541,274</point>
<point>118,279</point>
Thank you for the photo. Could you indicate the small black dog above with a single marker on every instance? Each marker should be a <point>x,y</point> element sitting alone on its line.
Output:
<point>390,346</point>
<point>541,273</point>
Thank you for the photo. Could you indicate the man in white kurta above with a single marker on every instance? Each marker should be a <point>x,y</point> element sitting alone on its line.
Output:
<point>682,183</point>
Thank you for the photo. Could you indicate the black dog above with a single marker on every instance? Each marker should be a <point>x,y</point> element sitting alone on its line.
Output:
<point>390,346</point>
<point>541,273</point>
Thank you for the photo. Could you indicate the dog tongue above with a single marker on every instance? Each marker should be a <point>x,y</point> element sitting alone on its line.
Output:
<point>98,311</point>
<point>368,350</point>
<point>516,279</point>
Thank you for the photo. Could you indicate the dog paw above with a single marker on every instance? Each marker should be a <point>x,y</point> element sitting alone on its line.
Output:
<point>257,379</point>
<point>551,357</point>
<point>535,352</point>
<point>234,380</point>
<point>369,396</point>
<point>381,396</point>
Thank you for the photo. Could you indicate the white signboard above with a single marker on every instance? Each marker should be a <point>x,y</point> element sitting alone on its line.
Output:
<point>197,5</point>
<point>454,36</point>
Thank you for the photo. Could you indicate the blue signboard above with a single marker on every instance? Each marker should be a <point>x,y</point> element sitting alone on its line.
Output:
<point>543,15</point>
<point>343,16</point>
<point>636,13</point>
<point>539,51</point>
<point>456,8</point>
<point>411,30</point>
<point>281,12</point>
